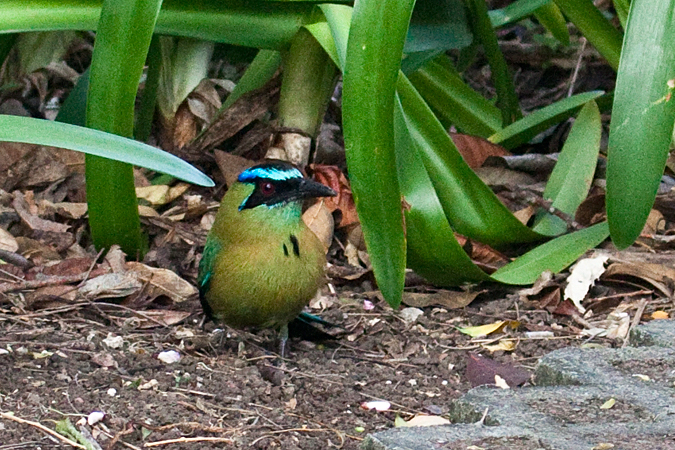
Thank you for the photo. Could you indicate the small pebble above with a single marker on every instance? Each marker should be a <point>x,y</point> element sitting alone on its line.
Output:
<point>169,356</point>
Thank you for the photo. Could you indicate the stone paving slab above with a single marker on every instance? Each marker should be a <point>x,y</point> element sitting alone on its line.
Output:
<point>563,411</point>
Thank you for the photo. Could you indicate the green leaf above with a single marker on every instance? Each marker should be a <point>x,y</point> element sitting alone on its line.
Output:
<point>99,143</point>
<point>185,63</point>
<point>437,25</point>
<point>7,41</point>
<point>74,108</point>
<point>523,130</point>
<point>552,19</point>
<point>251,23</point>
<point>515,11</point>
<point>339,18</point>
<point>572,176</point>
<point>433,250</point>
<point>507,100</point>
<point>554,255</point>
<point>642,118</point>
<point>122,40</point>
<point>146,110</point>
<point>373,60</point>
<point>260,71</point>
<point>621,7</point>
<point>453,101</point>
<point>595,27</point>
<point>470,206</point>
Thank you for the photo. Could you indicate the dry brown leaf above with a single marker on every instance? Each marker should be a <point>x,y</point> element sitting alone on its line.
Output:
<point>116,259</point>
<point>481,370</point>
<point>50,297</point>
<point>147,211</point>
<point>348,272</point>
<point>69,267</point>
<point>161,282</point>
<point>248,108</point>
<point>231,165</point>
<point>104,359</point>
<point>543,281</point>
<point>447,299</point>
<point>656,224</point>
<point>71,210</point>
<point>333,177</point>
<point>7,241</point>
<point>660,276</point>
<point>176,191</point>
<point>111,285</point>
<point>475,150</point>
<point>591,210</point>
<point>501,176</point>
<point>33,221</point>
<point>524,215</point>
<point>12,152</point>
<point>155,195</point>
<point>319,219</point>
<point>36,250</point>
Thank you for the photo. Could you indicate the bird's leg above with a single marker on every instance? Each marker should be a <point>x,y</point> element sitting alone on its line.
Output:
<point>283,337</point>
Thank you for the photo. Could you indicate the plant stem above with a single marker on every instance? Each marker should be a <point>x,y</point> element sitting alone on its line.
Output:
<point>307,85</point>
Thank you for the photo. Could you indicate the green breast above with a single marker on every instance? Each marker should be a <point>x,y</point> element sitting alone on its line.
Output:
<point>264,283</point>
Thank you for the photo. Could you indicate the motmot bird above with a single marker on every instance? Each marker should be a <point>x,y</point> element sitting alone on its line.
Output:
<point>261,264</point>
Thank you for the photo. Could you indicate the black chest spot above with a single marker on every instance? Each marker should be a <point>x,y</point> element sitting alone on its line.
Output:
<point>296,245</point>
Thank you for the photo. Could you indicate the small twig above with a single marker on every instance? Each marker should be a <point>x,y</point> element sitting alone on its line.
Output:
<point>93,264</point>
<point>183,440</point>
<point>482,419</point>
<point>11,275</point>
<point>133,311</point>
<point>539,338</point>
<point>47,281</point>
<point>642,304</point>
<point>577,67</point>
<point>42,428</point>
<point>534,199</point>
<point>15,258</point>
<point>581,321</point>
<point>117,438</point>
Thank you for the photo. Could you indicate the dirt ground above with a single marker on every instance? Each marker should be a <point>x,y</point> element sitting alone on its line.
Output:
<point>228,389</point>
<point>66,359</point>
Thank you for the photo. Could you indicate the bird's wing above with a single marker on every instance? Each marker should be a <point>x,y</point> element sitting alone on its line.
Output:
<point>206,268</point>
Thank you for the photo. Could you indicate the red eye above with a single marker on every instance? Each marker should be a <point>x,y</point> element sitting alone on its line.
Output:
<point>267,189</point>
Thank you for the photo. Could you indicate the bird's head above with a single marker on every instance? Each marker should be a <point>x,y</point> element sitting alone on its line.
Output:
<point>273,191</point>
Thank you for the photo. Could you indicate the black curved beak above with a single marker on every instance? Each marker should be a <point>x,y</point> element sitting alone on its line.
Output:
<point>312,189</point>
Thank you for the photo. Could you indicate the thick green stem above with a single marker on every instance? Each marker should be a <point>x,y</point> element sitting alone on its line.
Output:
<point>124,33</point>
<point>308,82</point>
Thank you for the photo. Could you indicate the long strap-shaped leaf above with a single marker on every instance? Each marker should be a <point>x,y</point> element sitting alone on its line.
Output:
<point>374,50</point>
<point>453,101</point>
<point>124,33</point>
<point>251,23</point>
<point>642,118</point>
<point>99,143</point>
<point>471,207</point>
<point>433,250</point>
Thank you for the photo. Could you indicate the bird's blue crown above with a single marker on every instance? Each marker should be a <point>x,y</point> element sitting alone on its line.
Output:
<point>276,172</point>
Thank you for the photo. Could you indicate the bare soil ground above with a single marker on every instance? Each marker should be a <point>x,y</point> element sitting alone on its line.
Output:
<point>228,389</point>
